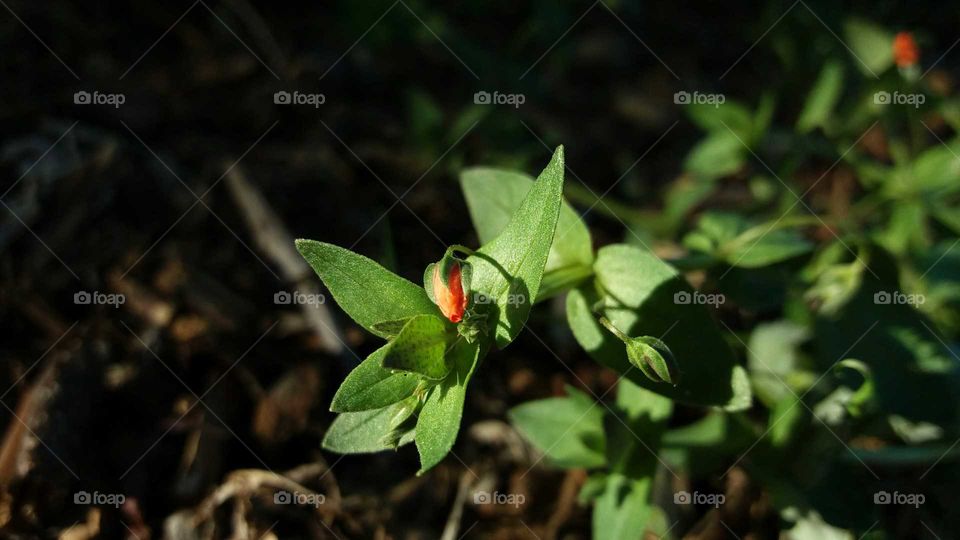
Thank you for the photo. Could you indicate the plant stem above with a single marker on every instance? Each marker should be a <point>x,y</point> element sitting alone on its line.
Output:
<point>616,331</point>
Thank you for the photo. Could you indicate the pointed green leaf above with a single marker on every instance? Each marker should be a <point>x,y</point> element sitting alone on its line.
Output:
<point>493,195</point>
<point>367,292</point>
<point>362,432</point>
<point>439,420</point>
<point>420,348</point>
<point>822,98</point>
<point>871,45</point>
<point>718,154</point>
<point>509,269</point>
<point>776,246</point>
<point>371,386</point>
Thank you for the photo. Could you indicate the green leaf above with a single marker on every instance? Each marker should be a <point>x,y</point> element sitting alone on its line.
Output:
<point>731,238</point>
<point>719,154</point>
<point>568,430</point>
<point>728,116</point>
<point>823,98</point>
<point>592,488</point>
<point>509,268</point>
<point>906,229</point>
<point>639,412</point>
<point>391,328</point>
<point>772,357</point>
<point>643,295</point>
<point>949,217</point>
<point>704,446</point>
<point>369,293</point>
<point>561,280</point>
<point>623,509</point>
<point>494,195</point>
<point>870,44</point>
<point>439,420</point>
<point>370,386</point>
<point>362,432</point>
<point>937,169</point>
<point>776,246</point>
<point>420,348</point>
<point>633,440</point>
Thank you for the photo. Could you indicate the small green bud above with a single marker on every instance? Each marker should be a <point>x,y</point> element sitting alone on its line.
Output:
<point>654,359</point>
<point>648,354</point>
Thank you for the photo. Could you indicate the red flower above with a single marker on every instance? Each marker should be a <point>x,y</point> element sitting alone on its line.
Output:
<point>905,50</point>
<point>448,293</point>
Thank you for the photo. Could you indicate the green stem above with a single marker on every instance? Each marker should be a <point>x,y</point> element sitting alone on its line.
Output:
<point>607,206</point>
<point>462,249</point>
<point>616,331</point>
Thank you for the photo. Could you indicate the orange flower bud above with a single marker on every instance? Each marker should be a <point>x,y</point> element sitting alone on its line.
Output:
<point>905,50</point>
<point>448,292</point>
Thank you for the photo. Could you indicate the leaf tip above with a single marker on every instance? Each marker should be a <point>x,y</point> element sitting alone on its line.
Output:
<point>558,158</point>
<point>302,244</point>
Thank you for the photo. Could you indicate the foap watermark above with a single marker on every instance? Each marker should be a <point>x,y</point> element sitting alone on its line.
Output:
<point>298,298</point>
<point>498,98</point>
<point>98,98</point>
<point>897,98</point>
<point>115,500</point>
<point>486,497</point>
<point>697,297</point>
<point>299,98</point>
<point>513,299</point>
<point>296,497</point>
<point>897,297</point>
<point>907,499</point>
<point>97,298</point>
<point>709,499</point>
<point>698,98</point>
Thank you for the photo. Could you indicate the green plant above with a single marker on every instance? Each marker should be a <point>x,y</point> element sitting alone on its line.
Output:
<point>412,388</point>
<point>534,247</point>
<point>817,351</point>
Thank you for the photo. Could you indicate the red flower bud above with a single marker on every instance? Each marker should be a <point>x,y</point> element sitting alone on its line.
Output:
<point>905,50</point>
<point>448,291</point>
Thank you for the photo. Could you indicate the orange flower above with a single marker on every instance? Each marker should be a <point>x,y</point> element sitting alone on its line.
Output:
<point>448,294</point>
<point>905,50</point>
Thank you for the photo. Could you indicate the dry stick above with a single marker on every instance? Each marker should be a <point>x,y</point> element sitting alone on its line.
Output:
<point>452,527</point>
<point>271,237</point>
<point>246,482</point>
<point>31,405</point>
<point>566,502</point>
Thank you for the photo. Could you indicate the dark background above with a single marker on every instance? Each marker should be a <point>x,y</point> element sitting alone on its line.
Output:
<point>105,199</point>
